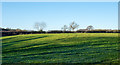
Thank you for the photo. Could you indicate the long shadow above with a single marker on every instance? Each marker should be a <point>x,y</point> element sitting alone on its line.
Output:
<point>74,51</point>
<point>8,38</point>
<point>50,52</point>
<point>82,38</point>
<point>46,53</point>
<point>89,39</point>
<point>53,47</point>
<point>38,48</point>
<point>44,48</point>
<point>12,38</point>
<point>28,46</point>
<point>84,44</point>
<point>11,43</point>
<point>48,47</point>
<point>57,46</point>
<point>21,38</point>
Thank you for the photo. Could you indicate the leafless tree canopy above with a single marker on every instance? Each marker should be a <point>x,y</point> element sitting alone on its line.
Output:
<point>73,26</point>
<point>40,26</point>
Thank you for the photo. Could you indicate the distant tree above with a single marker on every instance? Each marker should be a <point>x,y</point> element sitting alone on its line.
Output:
<point>40,26</point>
<point>90,27</point>
<point>64,28</point>
<point>73,26</point>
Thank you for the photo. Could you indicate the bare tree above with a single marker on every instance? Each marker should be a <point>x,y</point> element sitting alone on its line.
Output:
<point>64,28</point>
<point>90,27</point>
<point>73,26</point>
<point>40,26</point>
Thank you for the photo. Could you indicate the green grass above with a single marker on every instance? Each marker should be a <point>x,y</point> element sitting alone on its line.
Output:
<point>61,48</point>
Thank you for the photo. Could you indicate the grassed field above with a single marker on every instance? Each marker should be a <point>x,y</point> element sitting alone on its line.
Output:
<point>61,48</point>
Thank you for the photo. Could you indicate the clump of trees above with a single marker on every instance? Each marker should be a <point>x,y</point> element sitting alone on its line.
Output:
<point>40,26</point>
<point>90,27</point>
<point>72,27</point>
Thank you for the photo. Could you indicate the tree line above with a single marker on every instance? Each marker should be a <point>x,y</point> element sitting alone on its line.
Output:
<point>40,26</point>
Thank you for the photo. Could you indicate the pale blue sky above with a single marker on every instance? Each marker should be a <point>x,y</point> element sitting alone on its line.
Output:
<point>23,15</point>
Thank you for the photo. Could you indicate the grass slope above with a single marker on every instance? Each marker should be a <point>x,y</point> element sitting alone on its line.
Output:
<point>61,48</point>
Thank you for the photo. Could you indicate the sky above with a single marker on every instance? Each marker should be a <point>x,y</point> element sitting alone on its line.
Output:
<point>23,15</point>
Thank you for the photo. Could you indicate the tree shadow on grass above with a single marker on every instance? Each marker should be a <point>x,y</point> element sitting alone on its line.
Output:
<point>74,39</point>
<point>49,47</point>
<point>53,52</point>
<point>83,44</point>
<point>8,38</point>
<point>37,48</point>
<point>54,47</point>
<point>72,52</point>
<point>15,37</point>
<point>11,43</point>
